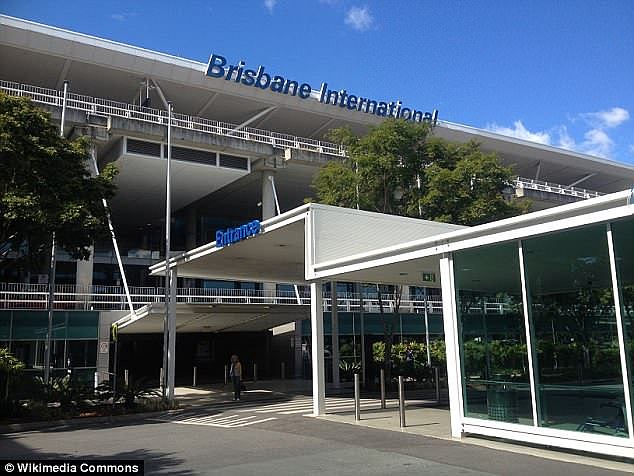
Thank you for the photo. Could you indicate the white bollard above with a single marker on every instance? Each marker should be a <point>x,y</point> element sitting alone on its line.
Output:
<point>382,382</point>
<point>401,401</point>
<point>357,398</point>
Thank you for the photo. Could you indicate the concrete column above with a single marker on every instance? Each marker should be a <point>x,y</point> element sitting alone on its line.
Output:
<point>334,317</point>
<point>191,233</point>
<point>317,348</point>
<point>299,355</point>
<point>405,299</point>
<point>83,280</point>
<point>268,211</point>
<point>171,337</point>
<point>268,199</point>
<point>451,343</point>
<point>190,228</point>
<point>358,290</point>
<point>103,344</point>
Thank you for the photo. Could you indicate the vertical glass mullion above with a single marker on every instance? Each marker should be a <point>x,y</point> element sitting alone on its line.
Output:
<point>621,334</point>
<point>529,336</point>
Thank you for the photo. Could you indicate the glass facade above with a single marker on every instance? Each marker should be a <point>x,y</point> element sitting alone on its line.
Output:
<point>573,329</point>
<point>623,239</point>
<point>571,306</point>
<point>492,334</point>
<point>74,343</point>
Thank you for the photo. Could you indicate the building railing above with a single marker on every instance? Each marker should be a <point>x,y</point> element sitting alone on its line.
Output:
<point>108,108</point>
<point>105,298</point>
<point>539,185</point>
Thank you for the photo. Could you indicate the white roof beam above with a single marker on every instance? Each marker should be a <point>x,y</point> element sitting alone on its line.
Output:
<point>254,118</point>
<point>265,119</point>
<point>159,90</point>
<point>63,73</point>
<point>582,179</point>
<point>321,128</point>
<point>207,104</point>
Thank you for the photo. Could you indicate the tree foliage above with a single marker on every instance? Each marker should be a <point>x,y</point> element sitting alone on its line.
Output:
<point>398,168</point>
<point>46,187</point>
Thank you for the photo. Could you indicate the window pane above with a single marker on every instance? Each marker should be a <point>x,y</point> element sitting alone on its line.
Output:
<point>623,236</point>
<point>30,324</point>
<point>82,353</point>
<point>578,371</point>
<point>83,324</point>
<point>492,334</point>
<point>5,325</point>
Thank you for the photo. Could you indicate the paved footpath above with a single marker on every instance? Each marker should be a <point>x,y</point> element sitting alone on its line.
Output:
<point>275,437</point>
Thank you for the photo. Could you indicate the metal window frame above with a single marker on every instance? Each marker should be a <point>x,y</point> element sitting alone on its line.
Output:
<point>529,337</point>
<point>625,370</point>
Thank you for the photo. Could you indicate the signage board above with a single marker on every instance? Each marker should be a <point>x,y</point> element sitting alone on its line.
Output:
<point>239,233</point>
<point>219,68</point>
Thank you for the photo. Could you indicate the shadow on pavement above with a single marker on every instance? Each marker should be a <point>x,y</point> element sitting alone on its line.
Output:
<point>155,462</point>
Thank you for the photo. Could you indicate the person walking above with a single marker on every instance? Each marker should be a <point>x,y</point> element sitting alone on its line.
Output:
<point>236,376</point>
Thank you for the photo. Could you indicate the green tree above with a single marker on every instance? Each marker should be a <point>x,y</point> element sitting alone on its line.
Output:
<point>398,168</point>
<point>9,367</point>
<point>45,187</point>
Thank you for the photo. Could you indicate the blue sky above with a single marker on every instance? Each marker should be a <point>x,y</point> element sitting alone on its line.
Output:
<point>558,72</point>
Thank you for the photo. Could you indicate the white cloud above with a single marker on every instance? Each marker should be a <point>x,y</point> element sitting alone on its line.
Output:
<point>122,16</point>
<point>359,18</point>
<point>597,142</point>
<point>566,141</point>
<point>519,130</point>
<point>270,5</point>
<point>606,119</point>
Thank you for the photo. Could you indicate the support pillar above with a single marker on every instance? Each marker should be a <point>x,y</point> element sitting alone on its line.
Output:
<point>334,317</point>
<point>191,228</point>
<point>299,354</point>
<point>451,343</point>
<point>191,234</point>
<point>359,288</point>
<point>406,301</point>
<point>317,348</point>
<point>83,280</point>
<point>171,336</point>
<point>268,198</point>
<point>268,211</point>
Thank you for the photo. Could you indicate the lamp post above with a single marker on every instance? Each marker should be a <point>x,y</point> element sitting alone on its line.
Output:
<point>168,217</point>
<point>51,271</point>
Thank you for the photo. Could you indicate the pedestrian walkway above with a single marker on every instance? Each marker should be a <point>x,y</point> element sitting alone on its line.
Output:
<point>304,406</point>
<point>435,423</point>
<point>219,421</point>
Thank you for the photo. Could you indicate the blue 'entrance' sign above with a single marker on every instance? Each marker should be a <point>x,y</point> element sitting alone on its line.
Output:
<point>239,233</point>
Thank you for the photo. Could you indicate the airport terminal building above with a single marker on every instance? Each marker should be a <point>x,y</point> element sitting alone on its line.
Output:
<point>538,349</point>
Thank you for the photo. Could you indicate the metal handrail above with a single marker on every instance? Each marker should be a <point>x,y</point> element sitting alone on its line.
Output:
<point>106,107</point>
<point>540,185</point>
<point>102,298</point>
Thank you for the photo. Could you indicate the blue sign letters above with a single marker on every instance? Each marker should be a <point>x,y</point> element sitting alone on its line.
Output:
<point>258,78</point>
<point>239,233</point>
